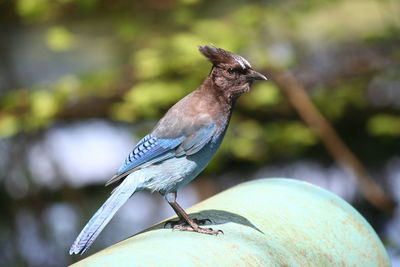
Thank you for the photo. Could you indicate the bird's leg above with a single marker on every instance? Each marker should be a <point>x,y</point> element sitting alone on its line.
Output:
<point>186,223</point>
<point>183,217</point>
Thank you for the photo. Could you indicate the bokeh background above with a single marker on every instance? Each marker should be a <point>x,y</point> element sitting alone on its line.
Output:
<point>82,81</point>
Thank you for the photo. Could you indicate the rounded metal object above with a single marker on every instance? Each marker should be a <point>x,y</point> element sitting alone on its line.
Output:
<point>266,222</point>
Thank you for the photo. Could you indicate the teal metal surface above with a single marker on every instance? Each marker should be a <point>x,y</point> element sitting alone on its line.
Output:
<point>266,222</point>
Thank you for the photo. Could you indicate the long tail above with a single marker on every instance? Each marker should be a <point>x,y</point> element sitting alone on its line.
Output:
<point>101,218</point>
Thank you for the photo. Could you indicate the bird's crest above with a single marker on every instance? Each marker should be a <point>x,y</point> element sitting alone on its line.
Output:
<point>220,56</point>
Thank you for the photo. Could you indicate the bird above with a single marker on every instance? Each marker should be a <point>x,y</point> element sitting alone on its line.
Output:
<point>180,145</point>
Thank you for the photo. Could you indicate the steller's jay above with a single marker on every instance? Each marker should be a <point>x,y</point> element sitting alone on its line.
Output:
<point>180,145</point>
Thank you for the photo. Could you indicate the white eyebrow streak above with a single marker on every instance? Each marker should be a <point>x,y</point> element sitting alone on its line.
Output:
<point>242,62</point>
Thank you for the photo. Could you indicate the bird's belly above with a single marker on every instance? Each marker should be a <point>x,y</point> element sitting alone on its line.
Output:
<point>173,173</point>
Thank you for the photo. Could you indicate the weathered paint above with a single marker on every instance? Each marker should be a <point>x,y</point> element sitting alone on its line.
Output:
<point>267,222</point>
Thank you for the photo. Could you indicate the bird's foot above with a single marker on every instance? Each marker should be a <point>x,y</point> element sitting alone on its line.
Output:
<point>182,222</point>
<point>197,229</point>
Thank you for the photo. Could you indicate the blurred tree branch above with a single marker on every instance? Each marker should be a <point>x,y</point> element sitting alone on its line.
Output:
<point>299,99</point>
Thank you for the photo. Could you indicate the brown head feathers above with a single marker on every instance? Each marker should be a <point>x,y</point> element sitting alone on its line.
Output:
<point>220,56</point>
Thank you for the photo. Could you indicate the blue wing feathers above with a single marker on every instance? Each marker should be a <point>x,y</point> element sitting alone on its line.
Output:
<point>152,149</point>
<point>149,148</point>
<point>144,145</point>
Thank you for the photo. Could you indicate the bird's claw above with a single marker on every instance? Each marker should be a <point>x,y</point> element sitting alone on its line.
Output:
<point>208,231</point>
<point>184,223</point>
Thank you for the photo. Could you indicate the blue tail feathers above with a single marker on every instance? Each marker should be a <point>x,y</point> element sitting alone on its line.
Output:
<point>103,215</point>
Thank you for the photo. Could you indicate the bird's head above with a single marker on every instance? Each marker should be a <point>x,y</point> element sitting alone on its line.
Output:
<point>231,73</point>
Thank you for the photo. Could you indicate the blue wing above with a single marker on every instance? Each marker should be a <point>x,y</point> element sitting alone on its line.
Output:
<point>147,151</point>
<point>152,149</point>
<point>148,148</point>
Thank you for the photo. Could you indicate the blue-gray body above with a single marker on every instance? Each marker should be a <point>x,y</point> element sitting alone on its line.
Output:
<point>175,172</point>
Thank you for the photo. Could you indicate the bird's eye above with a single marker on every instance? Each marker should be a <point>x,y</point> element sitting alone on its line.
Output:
<point>230,70</point>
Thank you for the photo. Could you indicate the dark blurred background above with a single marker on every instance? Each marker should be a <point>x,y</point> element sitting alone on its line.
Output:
<point>82,81</point>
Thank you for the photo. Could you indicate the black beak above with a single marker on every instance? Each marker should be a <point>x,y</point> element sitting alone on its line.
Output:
<point>254,75</point>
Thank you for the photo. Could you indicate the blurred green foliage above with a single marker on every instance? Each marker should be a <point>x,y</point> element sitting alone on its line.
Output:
<point>159,61</point>
<point>384,125</point>
<point>59,39</point>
